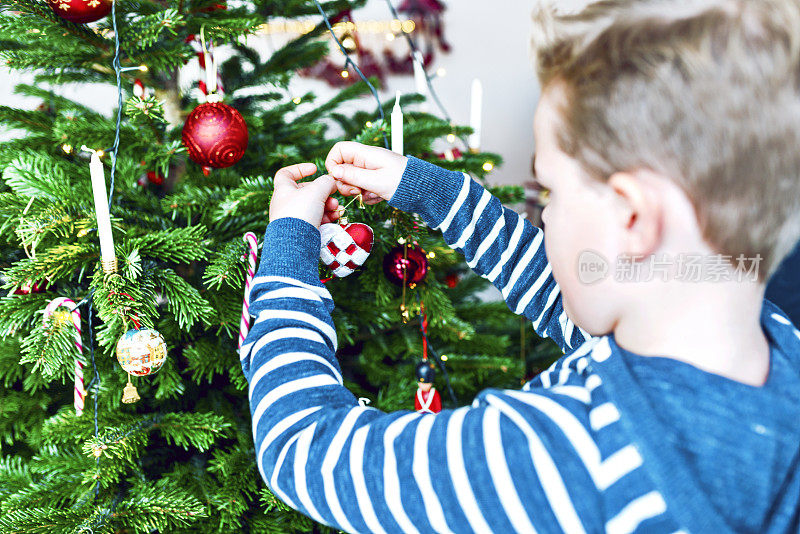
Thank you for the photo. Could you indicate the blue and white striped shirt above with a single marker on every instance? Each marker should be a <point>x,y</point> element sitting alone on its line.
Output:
<point>582,448</point>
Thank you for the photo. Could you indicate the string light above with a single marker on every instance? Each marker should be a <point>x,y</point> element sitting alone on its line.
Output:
<point>367,26</point>
<point>444,357</point>
<point>345,74</point>
<point>431,254</point>
<point>142,68</point>
<point>368,124</point>
<point>66,148</point>
<point>349,43</point>
<point>451,138</point>
<point>390,37</point>
<point>488,166</point>
<point>297,100</point>
<point>441,72</point>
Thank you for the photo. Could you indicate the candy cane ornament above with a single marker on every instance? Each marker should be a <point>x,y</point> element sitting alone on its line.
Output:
<point>80,392</point>
<point>202,83</point>
<point>252,245</point>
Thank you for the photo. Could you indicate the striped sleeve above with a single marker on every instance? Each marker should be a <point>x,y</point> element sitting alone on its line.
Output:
<point>497,243</point>
<point>494,466</point>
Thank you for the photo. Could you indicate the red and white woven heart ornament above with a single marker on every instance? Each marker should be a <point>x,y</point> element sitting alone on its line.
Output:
<point>345,248</point>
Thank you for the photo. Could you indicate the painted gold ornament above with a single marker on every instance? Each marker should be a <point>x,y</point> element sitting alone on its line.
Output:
<point>141,352</point>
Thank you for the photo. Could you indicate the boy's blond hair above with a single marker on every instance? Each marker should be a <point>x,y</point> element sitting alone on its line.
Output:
<point>702,91</point>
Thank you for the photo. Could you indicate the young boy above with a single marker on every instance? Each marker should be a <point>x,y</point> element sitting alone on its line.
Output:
<point>667,131</point>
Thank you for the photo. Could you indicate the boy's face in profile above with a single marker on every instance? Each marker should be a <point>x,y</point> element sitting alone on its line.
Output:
<point>579,224</point>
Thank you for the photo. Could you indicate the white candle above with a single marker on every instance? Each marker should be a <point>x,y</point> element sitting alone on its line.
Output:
<point>475,114</point>
<point>397,126</point>
<point>101,209</point>
<point>420,80</point>
<point>211,72</point>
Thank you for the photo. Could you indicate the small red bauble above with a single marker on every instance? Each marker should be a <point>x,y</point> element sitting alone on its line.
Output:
<point>345,247</point>
<point>451,280</point>
<point>215,135</point>
<point>412,260</point>
<point>155,178</point>
<point>81,11</point>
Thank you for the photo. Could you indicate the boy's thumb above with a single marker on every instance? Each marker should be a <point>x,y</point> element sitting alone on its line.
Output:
<point>352,175</point>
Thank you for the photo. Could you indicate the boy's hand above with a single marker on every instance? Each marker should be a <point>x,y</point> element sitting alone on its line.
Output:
<point>309,201</point>
<point>356,168</point>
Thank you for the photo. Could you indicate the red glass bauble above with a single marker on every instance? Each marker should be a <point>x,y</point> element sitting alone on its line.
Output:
<point>414,262</point>
<point>81,11</point>
<point>155,178</point>
<point>215,135</point>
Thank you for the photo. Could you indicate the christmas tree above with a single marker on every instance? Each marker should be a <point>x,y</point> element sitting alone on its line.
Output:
<point>181,459</point>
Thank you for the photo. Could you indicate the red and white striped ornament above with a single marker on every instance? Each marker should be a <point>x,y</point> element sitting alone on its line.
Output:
<point>80,392</point>
<point>252,254</point>
<point>345,247</point>
<point>206,78</point>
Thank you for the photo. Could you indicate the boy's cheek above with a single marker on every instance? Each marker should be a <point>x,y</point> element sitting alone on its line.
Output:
<point>579,250</point>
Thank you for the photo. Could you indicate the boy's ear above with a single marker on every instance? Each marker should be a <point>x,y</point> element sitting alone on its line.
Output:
<point>640,208</point>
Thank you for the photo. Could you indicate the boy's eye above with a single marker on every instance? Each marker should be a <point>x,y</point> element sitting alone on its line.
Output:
<point>543,196</point>
<point>541,193</point>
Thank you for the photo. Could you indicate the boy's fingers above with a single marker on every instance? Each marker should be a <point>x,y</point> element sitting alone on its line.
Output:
<point>372,198</point>
<point>347,190</point>
<point>330,216</point>
<point>352,175</point>
<point>353,153</point>
<point>295,172</point>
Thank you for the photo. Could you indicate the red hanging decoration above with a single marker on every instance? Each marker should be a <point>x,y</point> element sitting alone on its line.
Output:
<point>426,399</point>
<point>405,265</point>
<point>215,135</point>
<point>345,247</point>
<point>81,11</point>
